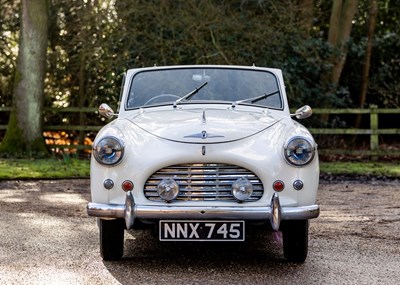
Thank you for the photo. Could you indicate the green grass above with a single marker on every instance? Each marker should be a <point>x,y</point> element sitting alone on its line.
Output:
<point>388,169</point>
<point>76,168</point>
<point>43,168</point>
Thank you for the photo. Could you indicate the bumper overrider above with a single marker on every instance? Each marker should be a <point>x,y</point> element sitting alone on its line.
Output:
<point>273,213</point>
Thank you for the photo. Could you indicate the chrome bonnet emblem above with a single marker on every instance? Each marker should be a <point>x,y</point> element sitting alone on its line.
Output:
<point>203,135</point>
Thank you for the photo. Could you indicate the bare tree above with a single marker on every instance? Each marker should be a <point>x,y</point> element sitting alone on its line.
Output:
<point>373,12</point>
<point>340,24</point>
<point>24,131</point>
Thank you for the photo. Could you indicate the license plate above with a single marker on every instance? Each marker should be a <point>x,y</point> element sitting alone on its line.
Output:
<point>180,230</point>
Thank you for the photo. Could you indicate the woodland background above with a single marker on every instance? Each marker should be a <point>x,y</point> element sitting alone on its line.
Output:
<point>60,53</point>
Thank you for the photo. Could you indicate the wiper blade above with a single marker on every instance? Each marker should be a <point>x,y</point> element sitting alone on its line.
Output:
<point>255,99</point>
<point>190,94</point>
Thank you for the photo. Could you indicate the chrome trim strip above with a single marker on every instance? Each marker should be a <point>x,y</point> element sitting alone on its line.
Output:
<point>208,142</point>
<point>274,213</point>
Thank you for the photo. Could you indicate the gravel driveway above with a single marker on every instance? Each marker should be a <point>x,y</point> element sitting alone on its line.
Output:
<point>47,238</point>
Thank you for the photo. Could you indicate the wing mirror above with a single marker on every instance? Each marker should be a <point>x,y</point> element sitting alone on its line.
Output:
<point>303,112</point>
<point>106,111</point>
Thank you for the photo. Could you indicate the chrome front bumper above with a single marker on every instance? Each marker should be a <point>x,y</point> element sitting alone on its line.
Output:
<point>273,213</point>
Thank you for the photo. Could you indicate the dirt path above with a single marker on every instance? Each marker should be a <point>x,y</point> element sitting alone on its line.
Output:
<point>47,238</point>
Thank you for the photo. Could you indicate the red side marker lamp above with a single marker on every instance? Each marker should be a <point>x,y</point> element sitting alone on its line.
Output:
<point>278,185</point>
<point>127,185</point>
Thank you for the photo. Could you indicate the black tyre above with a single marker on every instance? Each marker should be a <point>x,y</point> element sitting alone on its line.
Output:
<point>112,239</point>
<point>295,240</point>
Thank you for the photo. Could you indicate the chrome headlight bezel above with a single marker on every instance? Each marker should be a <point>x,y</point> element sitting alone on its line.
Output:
<point>299,151</point>
<point>109,150</point>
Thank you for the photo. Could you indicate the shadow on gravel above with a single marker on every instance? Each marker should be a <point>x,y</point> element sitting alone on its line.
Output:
<point>190,261</point>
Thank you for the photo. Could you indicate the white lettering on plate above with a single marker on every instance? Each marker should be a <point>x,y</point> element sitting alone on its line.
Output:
<point>181,230</point>
<point>194,230</point>
<point>168,231</point>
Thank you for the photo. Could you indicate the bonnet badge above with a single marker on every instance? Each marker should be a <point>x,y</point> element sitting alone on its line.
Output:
<point>203,135</point>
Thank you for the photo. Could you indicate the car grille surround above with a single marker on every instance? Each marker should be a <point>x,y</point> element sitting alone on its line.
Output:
<point>203,182</point>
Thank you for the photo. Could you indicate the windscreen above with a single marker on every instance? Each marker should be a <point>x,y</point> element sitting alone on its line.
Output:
<point>223,85</point>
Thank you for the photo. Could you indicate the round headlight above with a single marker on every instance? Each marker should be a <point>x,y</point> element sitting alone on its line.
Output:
<point>242,189</point>
<point>299,151</point>
<point>108,151</point>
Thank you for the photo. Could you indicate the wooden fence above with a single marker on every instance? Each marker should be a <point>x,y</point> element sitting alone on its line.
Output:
<point>373,131</point>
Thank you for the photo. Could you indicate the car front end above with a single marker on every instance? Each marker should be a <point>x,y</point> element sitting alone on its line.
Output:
<point>200,170</point>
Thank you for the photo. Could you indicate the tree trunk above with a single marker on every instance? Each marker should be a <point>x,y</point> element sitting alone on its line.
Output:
<point>340,24</point>
<point>24,132</point>
<point>82,98</point>
<point>373,12</point>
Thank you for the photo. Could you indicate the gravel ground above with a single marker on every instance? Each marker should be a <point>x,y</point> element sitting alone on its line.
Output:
<point>47,238</point>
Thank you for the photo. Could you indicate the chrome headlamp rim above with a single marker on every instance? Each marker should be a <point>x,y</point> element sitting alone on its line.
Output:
<point>309,141</point>
<point>102,161</point>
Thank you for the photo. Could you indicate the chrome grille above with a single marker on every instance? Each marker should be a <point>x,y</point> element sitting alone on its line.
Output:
<point>203,182</point>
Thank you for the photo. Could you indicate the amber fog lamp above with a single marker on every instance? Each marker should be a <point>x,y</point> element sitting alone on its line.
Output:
<point>242,189</point>
<point>127,185</point>
<point>278,185</point>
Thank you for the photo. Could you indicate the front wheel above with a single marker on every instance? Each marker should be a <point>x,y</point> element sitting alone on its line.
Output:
<point>111,239</point>
<point>295,240</point>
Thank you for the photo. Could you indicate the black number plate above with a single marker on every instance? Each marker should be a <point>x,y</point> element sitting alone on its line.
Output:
<point>180,230</point>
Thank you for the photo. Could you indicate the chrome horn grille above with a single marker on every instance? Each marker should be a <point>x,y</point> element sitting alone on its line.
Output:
<point>203,182</point>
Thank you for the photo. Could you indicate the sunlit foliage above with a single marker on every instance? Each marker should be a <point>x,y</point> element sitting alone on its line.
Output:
<point>92,42</point>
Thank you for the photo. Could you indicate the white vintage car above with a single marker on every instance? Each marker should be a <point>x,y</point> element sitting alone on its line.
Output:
<point>201,152</point>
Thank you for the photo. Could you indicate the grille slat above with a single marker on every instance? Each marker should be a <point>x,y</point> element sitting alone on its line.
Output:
<point>191,184</point>
<point>203,182</point>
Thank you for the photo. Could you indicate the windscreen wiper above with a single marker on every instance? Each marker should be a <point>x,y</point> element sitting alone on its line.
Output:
<point>254,99</point>
<point>190,94</point>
